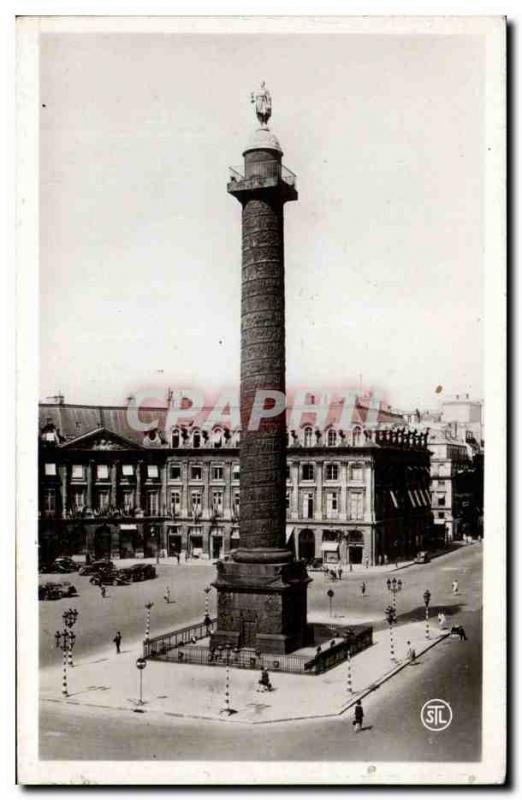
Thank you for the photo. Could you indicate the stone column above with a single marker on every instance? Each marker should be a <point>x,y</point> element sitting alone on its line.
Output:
<point>138,503</point>
<point>114,491</point>
<point>89,498</point>
<point>63,487</point>
<point>318,510</point>
<point>163,491</point>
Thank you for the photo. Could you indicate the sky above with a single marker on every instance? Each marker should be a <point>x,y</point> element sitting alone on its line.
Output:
<point>140,244</point>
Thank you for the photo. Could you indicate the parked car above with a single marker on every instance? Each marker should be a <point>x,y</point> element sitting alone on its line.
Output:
<point>55,591</point>
<point>422,557</point>
<point>96,566</point>
<point>140,572</point>
<point>315,564</point>
<point>107,577</point>
<point>59,565</point>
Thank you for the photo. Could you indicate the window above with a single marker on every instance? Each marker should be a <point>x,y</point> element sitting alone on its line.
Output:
<point>288,472</point>
<point>176,438</point>
<point>102,472</point>
<point>331,439</point>
<point>196,439</point>
<point>235,472</point>
<point>441,499</point>
<point>128,500</point>
<point>77,472</point>
<point>441,483</point>
<point>152,503</point>
<point>217,502</point>
<point>356,437</point>
<point>50,469</point>
<point>331,505</point>
<point>152,471</point>
<point>49,436</point>
<point>175,502</point>
<point>217,473</point>
<point>78,499</point>
<point>103,500</point>
<point>355,506</point>
<point>217,438</point>
<point>235,503</point>
<point>175,472</point>
<point>196,472</point>
<point>196,502</point>
<point>237,437</point>
<point>332,472</point>
<point>288,496</point>
<point>441,515</point>
<point>356,472</point>
<point>127,470</point>
<point>308,505</point>
<point>49,501</point>
<point>308,437</point>
<point>308,472</point>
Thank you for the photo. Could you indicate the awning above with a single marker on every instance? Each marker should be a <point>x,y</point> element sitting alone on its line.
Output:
<point>412,499</point>
<point>330,547</point>
<point>128,527</point>
<point>289,532</point>
<point>394,498</point>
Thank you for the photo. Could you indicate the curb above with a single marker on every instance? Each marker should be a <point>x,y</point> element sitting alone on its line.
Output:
<point>180,715</point>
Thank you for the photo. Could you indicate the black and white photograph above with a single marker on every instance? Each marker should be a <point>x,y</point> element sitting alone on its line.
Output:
<point>261,400</point>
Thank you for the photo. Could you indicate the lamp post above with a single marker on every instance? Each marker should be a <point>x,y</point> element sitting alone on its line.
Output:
<point>427,597</point>
<point>226,649</point>
<point>349,686</point>
<point>141,663</point>
<point>330,593</point>
<point>66,639</point>
<point>394,587</point>
<point>207,591</point>
<point>391,618</point>
<point>148,606</point>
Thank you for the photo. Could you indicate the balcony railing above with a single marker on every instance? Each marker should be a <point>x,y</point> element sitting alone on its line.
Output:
<point>262,169</point>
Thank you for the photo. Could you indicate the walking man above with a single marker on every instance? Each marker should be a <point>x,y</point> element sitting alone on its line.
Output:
<point>455,587</point>
<point>441,616</point>
<point>462,634</point>
<point>103,591</point>
<point>117,642</point>
<point>363,588</point>
<point>358,716</point>
<point>410,653</point>
<point>339,572</point>
<point>167,594</point>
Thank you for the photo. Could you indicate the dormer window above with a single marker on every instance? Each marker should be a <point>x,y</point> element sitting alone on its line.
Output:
<point>196,438</point>
<point>308,437</point>
<point>176,438</point>
<point>332,437</point>
<point>217,438</point>
<point>356,437</point>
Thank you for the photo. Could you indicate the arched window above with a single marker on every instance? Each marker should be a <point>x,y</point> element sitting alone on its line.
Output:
<point>217,437</point>
<point>236,438</point>
<point>332,437</point>
<point>196,438</point>
<point>176,438</point>
<point>308,436</point>
<point>357,437</point>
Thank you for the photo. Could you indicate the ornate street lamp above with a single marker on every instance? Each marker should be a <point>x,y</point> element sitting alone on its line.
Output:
<point>66,639</point>
<point>394,587</point>
<point>391,617</point>
<point>227,650</point>
<point>427,597</point>
<point>207,591</point>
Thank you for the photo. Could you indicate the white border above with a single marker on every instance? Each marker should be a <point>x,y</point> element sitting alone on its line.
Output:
<point>491,769</point>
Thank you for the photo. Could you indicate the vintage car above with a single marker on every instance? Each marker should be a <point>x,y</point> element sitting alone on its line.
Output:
<point>62,565</point>
<point>140,572</point>
<point>55,591</point>
<point>422,557</point>
<point>96,566</point>
<point>110,577</point>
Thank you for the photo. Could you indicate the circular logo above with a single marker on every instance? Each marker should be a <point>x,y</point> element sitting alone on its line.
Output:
<point>436,715</point>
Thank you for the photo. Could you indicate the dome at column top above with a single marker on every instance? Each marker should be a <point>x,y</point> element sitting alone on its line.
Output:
<point>263,139</point>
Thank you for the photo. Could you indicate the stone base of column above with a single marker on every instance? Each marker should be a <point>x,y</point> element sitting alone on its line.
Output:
<point>262,606</point>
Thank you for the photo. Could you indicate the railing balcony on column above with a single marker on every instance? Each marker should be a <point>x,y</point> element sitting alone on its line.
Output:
<point>263,169</point>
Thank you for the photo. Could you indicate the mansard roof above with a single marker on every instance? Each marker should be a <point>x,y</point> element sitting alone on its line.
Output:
<point>100,439</point>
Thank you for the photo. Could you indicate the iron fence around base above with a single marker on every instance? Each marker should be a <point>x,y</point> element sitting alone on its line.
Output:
<point>181,647</point>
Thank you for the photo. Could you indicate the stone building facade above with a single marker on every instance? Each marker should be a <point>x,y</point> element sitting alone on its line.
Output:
<point>352,496</point>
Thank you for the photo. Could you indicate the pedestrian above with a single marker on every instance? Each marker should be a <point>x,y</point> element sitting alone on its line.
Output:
<point>103,591</point>
<point>363,588</point>
<point>441,616</point>
<point>396,563</point>
<point>410,653</point>
<point>166,596</point>
<point>207,622</point>
<point>117,642</point>
<point>455,587</point>
<point>358,716</point>
<point>351,567</point>
<point>366,563</point>
<point>339,572</point>
<point>178,557</point>
<point>264,681</point>
<point>386,559</point>
<point>462,634</point>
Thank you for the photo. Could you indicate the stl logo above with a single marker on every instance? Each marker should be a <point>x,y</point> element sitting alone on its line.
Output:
<point>436,715</point>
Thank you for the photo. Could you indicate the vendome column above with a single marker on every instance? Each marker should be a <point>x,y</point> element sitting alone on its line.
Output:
<point>262,589</point>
